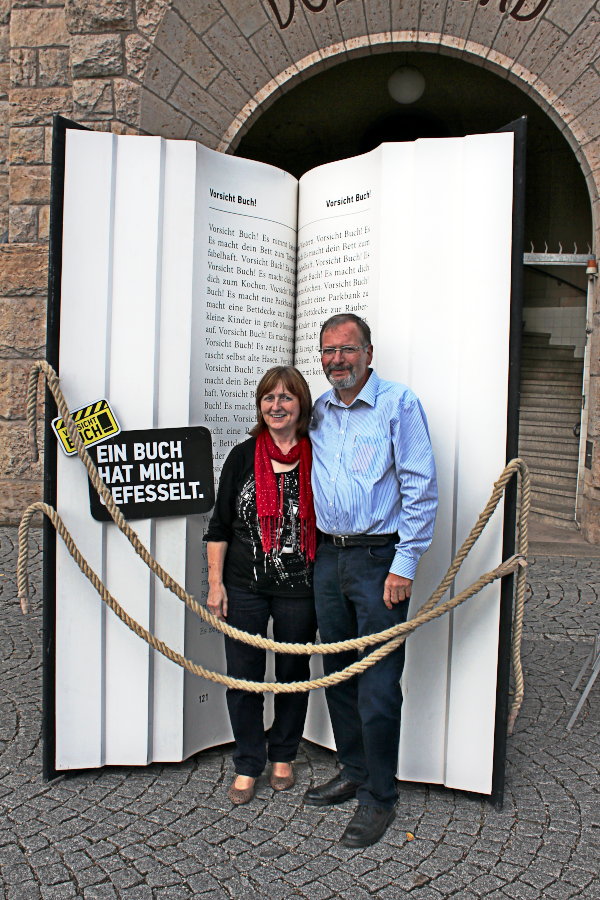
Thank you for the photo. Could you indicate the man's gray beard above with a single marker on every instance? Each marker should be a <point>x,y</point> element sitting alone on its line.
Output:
<point>348,382</point>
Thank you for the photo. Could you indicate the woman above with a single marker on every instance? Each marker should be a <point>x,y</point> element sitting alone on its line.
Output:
<point>261,546</point>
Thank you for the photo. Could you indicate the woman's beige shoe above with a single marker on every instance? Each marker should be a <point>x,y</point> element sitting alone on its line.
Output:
<point>282,782</point>
<point>239,796</point>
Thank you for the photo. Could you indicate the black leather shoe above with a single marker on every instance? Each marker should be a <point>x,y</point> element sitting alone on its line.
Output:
<point>338,790</point>
<point>367,826</point>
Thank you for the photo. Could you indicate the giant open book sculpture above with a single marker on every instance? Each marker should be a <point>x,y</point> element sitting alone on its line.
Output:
<point>179,289</point>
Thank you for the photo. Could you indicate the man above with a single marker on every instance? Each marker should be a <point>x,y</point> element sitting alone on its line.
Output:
<point>375,497</point>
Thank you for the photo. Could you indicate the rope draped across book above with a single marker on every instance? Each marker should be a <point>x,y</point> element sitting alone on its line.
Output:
<point>388,640</point>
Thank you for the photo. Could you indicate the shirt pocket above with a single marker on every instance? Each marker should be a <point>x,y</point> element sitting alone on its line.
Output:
<point>370,455</point>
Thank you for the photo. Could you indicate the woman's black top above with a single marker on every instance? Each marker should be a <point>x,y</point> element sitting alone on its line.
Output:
<point>235,520</point>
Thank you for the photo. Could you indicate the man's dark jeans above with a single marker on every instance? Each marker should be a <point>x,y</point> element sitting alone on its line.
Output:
<point>293,622</point>
<point>365,710</point>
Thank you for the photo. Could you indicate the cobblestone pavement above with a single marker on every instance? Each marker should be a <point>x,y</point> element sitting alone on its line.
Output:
<point>168,831</point>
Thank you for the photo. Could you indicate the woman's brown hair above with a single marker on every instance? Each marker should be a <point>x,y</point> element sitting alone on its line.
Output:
<point>294,382</point>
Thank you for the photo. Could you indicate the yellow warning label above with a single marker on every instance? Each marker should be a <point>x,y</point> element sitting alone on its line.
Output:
<point>95,423</point>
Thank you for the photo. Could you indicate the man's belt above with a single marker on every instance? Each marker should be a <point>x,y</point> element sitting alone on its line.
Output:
<point>359,540</point>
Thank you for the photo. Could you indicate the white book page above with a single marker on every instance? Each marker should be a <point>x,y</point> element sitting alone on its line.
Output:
<point>338,231</point>
<point>245,248</point>
<point>242,324</point>
<point>338,218</point>
<point>437,298</point>
<point>444,306</point>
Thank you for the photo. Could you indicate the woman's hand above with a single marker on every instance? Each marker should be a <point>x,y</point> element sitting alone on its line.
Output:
<point>217,595</point>
<point>217,600</point>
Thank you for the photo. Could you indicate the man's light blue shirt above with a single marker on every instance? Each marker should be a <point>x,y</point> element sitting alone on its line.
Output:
<point>373,468</point>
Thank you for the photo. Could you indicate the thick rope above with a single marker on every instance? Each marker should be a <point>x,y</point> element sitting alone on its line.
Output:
<point>394,636</point>
<point>520,588</point>
<point>398,633</point>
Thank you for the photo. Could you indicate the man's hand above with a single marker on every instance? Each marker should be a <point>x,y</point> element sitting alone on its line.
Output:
<point>396,589</point>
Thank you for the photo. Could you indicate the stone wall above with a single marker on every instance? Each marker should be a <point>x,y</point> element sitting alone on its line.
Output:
<point>55,59</point>
<point>36,82</point>
<point>203,69</point>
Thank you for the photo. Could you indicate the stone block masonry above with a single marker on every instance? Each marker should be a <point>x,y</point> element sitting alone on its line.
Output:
<point>40,79</point>
<point>24,269</point>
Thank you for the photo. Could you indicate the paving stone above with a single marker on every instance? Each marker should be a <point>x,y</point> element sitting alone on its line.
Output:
<point>169,831</point>
<point>141,892</point>
<point>560,891</point>
<point>179,892</point>
<point>90,876</point>
<point>26,890</point>
<point>320,892</point>
<point>62,891</point>
<point>100,892</point>
<point>577,877</point>
<point>521,891</point>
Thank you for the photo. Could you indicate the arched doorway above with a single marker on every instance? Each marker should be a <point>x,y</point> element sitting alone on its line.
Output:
<point>348,109</point>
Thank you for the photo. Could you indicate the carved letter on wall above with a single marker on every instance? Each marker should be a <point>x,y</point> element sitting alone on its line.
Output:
<point>317,6</point>
<point>280,21</point>
<point>516,12</point>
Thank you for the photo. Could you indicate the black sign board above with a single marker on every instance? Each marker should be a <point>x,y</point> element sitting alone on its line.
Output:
<point>156,472</point>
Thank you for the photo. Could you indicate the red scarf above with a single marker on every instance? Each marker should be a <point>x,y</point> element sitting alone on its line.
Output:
<point>269,500</point>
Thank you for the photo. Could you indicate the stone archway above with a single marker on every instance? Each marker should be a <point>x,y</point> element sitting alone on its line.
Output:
<point>214,69</point>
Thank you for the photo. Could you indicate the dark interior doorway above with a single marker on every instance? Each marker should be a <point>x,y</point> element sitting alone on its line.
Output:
<point>348,109</point>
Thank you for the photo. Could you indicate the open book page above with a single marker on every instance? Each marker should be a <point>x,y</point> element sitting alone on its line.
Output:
<point>442,328</point>
<point>242,324</point>
<point>245,258</point>
<point>338,220</point>
<point>338,227</point>
<point>437,297</point>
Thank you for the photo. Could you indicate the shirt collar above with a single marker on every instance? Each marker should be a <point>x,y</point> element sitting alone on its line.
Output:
<point>368,394</point>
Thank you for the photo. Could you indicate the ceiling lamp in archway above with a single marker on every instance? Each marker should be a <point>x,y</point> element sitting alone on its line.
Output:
<point>406,85</point>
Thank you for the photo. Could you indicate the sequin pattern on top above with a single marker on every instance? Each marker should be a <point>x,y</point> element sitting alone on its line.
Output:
<point>286,568</point>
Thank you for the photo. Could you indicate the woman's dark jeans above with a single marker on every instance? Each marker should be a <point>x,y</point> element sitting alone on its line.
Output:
<point>365,710</point>
<point>294,621</point>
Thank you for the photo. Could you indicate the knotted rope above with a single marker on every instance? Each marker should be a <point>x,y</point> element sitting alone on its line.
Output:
<point>389,639</point>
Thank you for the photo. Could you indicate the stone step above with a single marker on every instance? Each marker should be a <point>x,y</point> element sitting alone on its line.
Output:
<point>538,407</point>
<point>540,463</point>
<point>570,418</point>
<point>549,405</point>
<point>551,468</point>
<point>534,360</point>
<point>571,414</point>
<point>551,388</point>
<point>536,337</point>
<point>539,339</point>
<point>563,508</point>
<point>558,373</point>
<point>552,490</point>
<point>554,384</point>
<point>566,524</point>
<point>531,415</point>
<point>550,354</point>
<point>562,480</point>
<point>549,431</point>
<point>565,513</point>
<point>551,448</point>
<point>554,502</point>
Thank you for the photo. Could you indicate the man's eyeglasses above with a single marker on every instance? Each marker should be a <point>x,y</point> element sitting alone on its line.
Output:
<point>346,350</point>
